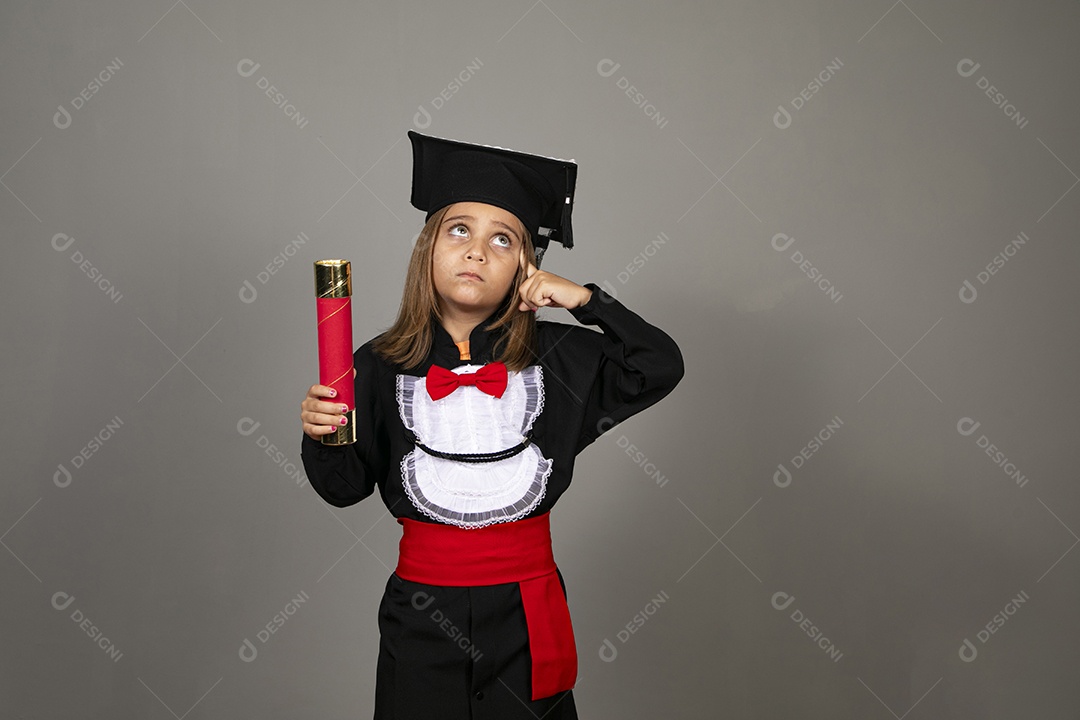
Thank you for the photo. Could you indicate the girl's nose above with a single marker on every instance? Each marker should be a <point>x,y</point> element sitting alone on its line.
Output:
<point>475,252</point>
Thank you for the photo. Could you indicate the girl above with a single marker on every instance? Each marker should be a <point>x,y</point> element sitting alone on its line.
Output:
<point>469,415</point>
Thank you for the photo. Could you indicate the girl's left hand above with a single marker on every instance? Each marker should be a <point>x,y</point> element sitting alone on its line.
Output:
<point>544,289</point>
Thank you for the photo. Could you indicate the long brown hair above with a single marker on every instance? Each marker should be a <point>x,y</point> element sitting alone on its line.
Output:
<point>408,341</point>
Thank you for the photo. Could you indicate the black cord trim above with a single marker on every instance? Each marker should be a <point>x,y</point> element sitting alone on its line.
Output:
<point>476,457</point>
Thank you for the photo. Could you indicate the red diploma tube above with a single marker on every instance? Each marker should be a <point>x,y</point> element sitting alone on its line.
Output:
<point>333,297</point>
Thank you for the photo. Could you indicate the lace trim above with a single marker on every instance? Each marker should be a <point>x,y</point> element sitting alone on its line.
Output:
<point>461,493</point>
<point>533,377</point>
<point>404,395</point>
<point>471,520</point>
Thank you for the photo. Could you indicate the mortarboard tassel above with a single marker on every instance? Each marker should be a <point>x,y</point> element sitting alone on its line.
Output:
<point>567,238</point>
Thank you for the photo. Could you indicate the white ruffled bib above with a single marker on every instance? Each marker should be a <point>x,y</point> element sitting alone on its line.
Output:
<point>472,495</point>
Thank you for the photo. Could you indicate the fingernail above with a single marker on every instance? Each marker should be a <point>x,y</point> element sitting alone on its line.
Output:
<point>333,392</point>
<point>343,421</point>
<point>344,408</point>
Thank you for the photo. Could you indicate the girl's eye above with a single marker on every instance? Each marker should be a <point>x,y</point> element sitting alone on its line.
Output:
<point>464,230</point>
<point>501,241</point>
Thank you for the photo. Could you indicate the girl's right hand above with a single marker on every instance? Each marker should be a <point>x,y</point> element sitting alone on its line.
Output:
<point>320,417</point>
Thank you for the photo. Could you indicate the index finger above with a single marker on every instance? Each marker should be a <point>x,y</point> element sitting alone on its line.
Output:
<point>321,391</point>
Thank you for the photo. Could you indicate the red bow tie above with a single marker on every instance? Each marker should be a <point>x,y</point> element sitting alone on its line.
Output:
<point>490,379</point>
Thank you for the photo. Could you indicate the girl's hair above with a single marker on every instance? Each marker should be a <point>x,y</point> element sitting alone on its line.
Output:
<point>408,341</point>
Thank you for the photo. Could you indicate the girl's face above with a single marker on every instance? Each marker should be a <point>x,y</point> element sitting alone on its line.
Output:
<point>477,252</point>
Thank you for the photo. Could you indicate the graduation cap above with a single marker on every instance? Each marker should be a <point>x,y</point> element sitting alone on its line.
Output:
<point>538,190</point>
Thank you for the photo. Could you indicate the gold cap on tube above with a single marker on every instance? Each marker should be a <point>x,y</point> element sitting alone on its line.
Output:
<point>333,278</point>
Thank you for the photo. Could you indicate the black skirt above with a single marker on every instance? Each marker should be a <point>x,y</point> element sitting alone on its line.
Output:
<point>458,653</point>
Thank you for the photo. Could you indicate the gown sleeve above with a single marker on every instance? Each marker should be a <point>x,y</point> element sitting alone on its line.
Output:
<point>638,364</point>
<point>344,475</point>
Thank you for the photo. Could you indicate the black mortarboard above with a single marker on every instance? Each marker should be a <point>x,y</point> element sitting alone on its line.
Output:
<point>538,190</point>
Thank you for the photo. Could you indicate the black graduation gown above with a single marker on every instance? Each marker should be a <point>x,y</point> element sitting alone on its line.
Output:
<point>462,652</point>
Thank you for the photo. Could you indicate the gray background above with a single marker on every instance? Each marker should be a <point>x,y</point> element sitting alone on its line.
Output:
<point>179,537</point>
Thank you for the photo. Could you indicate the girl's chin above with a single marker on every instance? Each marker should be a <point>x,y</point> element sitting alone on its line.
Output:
<point>470,302</point>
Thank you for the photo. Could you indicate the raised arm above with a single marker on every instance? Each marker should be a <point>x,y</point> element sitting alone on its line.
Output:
<point>638,364</point>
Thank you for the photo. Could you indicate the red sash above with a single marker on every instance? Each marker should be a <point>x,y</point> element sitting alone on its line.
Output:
<point>440,554</point>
